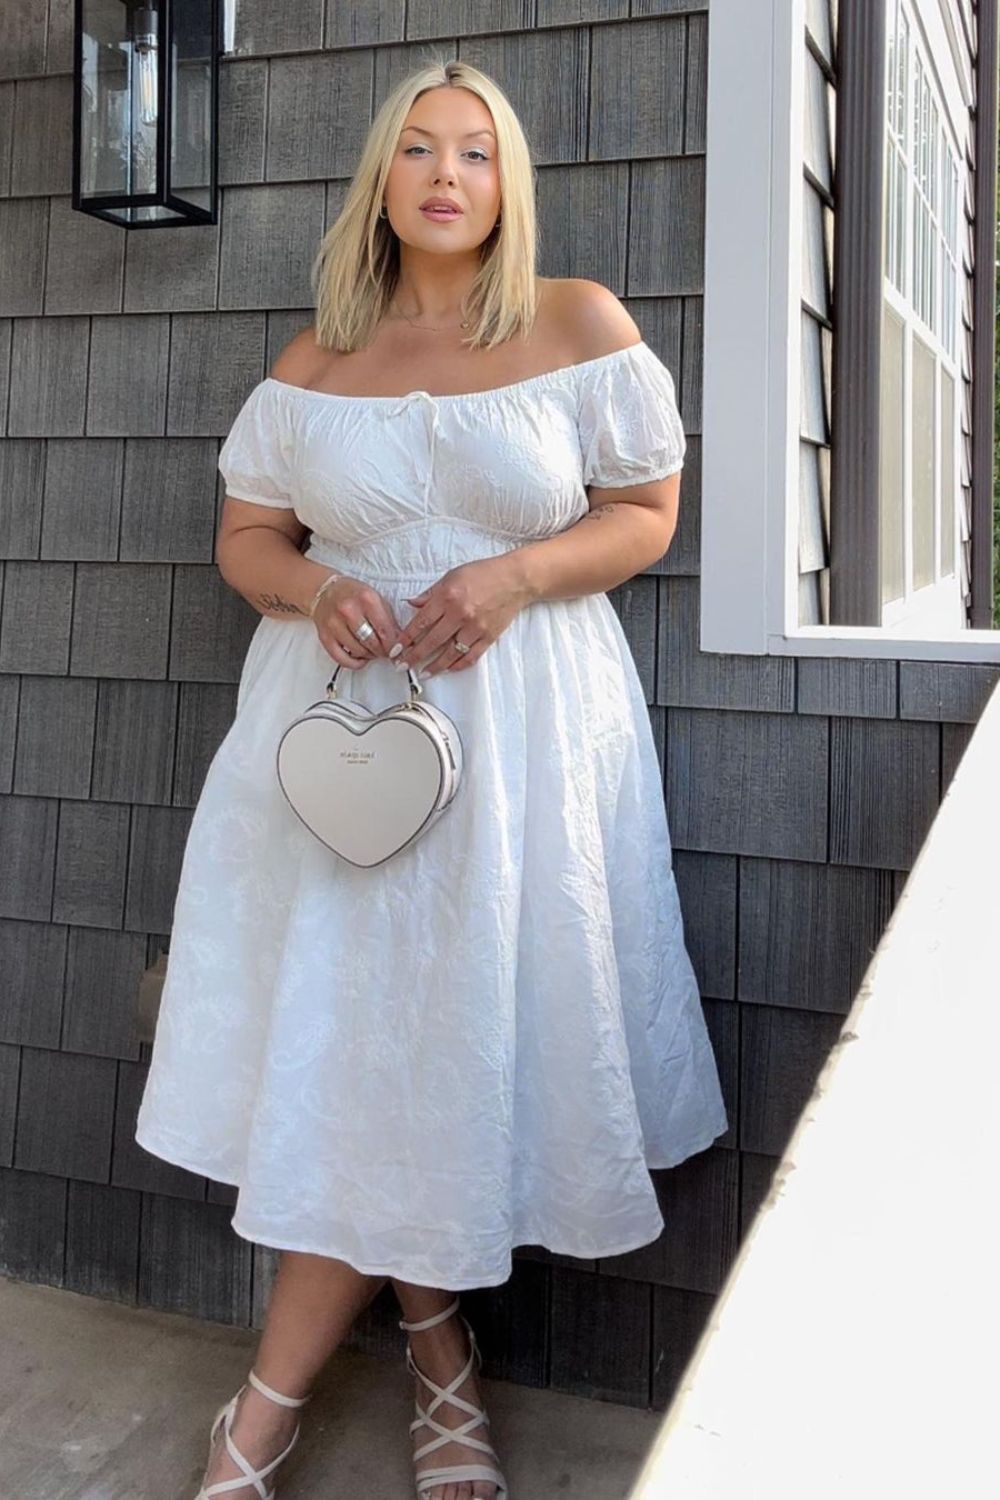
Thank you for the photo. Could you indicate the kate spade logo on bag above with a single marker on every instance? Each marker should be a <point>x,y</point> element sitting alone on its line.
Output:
<point>358,756</point>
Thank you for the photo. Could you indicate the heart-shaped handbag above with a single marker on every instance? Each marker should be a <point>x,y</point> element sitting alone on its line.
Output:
<point>367,784</point>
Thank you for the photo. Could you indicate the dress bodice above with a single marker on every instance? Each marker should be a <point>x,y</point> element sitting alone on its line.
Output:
<point>407,486</point>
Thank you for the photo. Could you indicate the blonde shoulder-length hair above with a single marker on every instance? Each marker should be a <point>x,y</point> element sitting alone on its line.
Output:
<point>356,269</point>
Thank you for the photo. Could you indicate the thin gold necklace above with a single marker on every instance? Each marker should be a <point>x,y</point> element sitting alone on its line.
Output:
<point>451,328</point>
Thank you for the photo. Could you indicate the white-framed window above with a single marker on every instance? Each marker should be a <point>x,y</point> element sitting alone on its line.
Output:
<point>752,380</point>
<point>919,483</point>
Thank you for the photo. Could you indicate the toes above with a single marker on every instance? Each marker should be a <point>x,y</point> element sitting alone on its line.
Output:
<point>480,1490</point>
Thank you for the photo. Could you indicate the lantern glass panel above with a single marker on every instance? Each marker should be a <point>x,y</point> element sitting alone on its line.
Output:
<point>118,147</point>
<point>191,123</point>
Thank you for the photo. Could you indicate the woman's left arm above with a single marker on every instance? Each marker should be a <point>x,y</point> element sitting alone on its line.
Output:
<point>616,539</point>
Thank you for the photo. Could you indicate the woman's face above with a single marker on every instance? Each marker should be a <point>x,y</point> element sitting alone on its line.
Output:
<point>446,149</point>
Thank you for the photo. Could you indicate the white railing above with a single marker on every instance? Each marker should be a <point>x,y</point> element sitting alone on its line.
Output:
<point>854,1349</point>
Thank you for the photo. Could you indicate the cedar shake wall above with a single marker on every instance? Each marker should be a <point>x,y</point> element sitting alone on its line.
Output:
<point>798,791</point>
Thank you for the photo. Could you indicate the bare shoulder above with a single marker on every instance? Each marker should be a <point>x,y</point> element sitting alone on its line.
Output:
<point>299,358</point>
<point>591,317</point>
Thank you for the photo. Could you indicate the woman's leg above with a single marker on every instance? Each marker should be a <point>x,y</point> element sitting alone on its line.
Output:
<point>314,1301</point>
<point>441,1352</point>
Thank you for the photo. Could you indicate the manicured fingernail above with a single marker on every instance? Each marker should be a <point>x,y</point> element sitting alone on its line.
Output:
<point>396,649</point>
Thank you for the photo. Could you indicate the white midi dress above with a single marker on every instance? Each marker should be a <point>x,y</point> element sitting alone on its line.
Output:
<point>488,1039</point>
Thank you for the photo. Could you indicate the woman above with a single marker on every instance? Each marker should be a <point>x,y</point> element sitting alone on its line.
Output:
<point>488,1039</point>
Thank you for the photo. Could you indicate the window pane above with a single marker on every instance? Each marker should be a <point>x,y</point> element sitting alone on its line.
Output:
<point>916,148</point>
<point>949,483</point>
<point>902,74</point>
<point>951,258</point>
<point>891,458</point>
<point>889,211</point>
<point>932,237</point>
<point>901,171</point>
<point>923,464</point>
<point>894,187</point>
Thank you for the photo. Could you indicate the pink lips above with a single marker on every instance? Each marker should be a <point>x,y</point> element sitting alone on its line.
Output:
<point>441,213</point>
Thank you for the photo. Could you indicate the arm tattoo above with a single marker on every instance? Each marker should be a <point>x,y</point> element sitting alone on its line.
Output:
<point>599,510</point>
<point>281,606</point>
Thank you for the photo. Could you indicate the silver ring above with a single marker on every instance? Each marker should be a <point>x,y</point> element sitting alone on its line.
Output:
<point>461,647</point>
<point>364,630</point>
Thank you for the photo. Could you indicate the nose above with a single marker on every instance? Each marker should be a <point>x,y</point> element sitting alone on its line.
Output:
<point>448,172</point>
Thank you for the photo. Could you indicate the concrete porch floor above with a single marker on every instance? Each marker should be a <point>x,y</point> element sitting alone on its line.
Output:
<point>99,1401</point>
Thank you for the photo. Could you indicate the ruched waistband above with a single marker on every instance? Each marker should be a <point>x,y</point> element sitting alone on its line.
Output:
<point>411,556</point>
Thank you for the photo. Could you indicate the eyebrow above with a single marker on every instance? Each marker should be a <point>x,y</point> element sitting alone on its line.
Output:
<point>433,137</point>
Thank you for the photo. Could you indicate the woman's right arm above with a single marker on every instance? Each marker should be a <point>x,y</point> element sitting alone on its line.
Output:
<point>258,554</point>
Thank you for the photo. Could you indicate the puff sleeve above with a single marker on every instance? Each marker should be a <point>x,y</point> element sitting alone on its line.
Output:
<point>629,425</point>
<point>256,458</point>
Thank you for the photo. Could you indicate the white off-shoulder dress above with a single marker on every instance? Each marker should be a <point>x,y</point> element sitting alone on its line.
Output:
<point>488,1039</point>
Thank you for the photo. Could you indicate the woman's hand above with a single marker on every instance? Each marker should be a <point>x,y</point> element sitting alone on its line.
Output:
<point>340,611</point>
<point>475,602</point>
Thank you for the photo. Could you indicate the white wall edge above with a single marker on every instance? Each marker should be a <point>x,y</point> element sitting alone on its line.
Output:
<point>787,230</point>
<point>752,319</point>
<point>851,1351</point>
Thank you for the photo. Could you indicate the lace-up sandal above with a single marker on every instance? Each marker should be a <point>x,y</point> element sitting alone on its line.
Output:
<point>250,1476</point>
<point>429,1479</point>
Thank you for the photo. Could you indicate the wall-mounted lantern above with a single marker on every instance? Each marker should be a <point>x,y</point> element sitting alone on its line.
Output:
<point>145,111</point>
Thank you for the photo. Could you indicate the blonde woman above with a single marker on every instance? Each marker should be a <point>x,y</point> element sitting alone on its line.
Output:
<point>490,1038</point>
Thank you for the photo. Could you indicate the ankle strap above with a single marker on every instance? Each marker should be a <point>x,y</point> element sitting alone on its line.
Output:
<point>266,1390</point>
<point>430,1322</point>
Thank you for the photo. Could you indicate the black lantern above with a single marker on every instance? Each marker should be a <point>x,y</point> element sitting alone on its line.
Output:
<point>145,111</point>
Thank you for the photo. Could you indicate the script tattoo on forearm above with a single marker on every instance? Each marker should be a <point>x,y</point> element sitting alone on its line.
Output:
<point>599,511</point>
<point>281,606</point>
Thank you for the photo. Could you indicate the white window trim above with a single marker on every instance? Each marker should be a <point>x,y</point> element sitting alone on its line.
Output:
<point>752,354</point>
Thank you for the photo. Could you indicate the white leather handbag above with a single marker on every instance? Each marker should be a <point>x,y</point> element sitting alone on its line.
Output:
<point>366,783</point>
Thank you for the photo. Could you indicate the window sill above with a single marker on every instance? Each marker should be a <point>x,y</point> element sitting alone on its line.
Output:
<point>860,641</point>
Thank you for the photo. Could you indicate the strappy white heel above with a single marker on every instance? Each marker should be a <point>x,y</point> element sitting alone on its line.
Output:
<point>250,1475</point>
<point>430,1479</point>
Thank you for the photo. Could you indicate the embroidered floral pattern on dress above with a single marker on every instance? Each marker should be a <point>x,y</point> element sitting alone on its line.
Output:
<point>490,1039</point>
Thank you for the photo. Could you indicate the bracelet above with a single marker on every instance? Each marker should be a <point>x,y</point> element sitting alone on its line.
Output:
<point>320,592</point>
